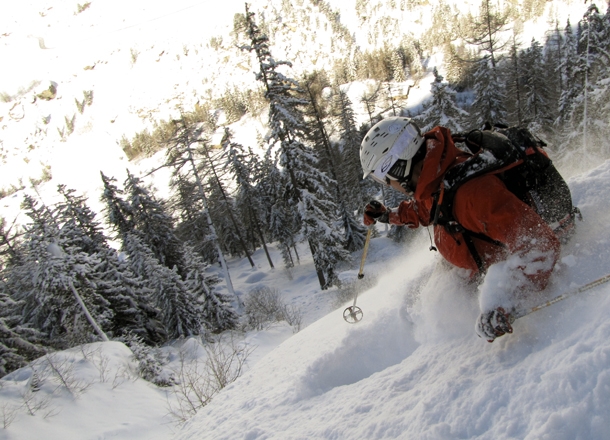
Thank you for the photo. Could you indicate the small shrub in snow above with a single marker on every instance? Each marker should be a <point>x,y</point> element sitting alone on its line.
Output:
<point>264,305</point>
<point>150,363</point>
<point>200,378</point>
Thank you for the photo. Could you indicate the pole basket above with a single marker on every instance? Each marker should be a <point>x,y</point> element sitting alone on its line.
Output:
<point>352,314</point>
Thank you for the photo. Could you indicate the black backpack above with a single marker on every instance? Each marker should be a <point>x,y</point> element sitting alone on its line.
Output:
<point>517,157</point>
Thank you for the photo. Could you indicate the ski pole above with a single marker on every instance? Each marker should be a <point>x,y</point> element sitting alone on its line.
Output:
<point>353,314</point>
<point>568,293</point>
<point>364,252</point>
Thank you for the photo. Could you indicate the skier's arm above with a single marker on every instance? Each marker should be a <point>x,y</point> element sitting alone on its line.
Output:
<point>404,215</point>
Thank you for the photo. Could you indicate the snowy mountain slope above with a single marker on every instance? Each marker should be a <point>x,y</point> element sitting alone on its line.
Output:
<point>413,368</point>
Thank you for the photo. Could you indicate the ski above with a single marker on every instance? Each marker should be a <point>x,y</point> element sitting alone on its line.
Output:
<point>568,293</point>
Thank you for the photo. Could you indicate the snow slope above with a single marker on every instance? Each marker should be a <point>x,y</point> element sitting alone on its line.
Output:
<point>413,368</point>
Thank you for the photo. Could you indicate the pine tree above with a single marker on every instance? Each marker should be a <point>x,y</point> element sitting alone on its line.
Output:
<point>537,96</point>
<point>568,70</point>
<point>154,224</point>
<point>125,292</point>
<point>182,157</point>
<point>442,108</point>
<point>118,211</point>
<point>55,284</point>
<point>218,314</point>
<point>243,165</point>
<point>489,103</point>
<point>552,61</point>
<point>514,87</point>
<point>225,221</point>
<point>225,206</point>
<point>486,30</point>
<point>282,222</point>
<point>355,191</point>
<point>19,344</point>
<point>594,56</point>
<point>180,312</point>
<point>192,226</point>
<point>307,189</point>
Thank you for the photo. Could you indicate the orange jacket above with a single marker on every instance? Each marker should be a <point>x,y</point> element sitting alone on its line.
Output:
<point>482,205</point>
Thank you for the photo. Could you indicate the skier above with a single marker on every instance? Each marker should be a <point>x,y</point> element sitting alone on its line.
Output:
<point>492,226</point>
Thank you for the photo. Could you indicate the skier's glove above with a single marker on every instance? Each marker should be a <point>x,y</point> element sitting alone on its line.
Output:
<point>374,212</point>
<point>493,324</point>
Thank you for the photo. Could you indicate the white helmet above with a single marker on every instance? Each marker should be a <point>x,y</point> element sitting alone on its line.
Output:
<point>388,149</point>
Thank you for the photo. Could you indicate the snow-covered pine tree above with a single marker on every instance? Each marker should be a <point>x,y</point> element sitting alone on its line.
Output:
<point>282,222</point>
<point>55,284</point>
<point>9,244</point>
<point>485,31</point>
<point>442,108</point>
<point>224,211</point>
<point>489,103</point>
<point>218,314</point>
<point>568,68</point>
<point>308,187</point>
<point>126,293</point>
<point>19,344</point>
<point>539,111</point>
<point>182,157</point>
<point>600,95</point>
<point>243,165</point>
<point>594,52</point>
<point>154,224</point>
<point>118,211</point>
<point>355,191</point>
<point>180,310</point>
<point>337,159</point>
<point>192,226</point>
<point>513,74</point>
<point>73,211</point>
<point>552,60</point>
<point>358,191</point>
<point>316,115</point>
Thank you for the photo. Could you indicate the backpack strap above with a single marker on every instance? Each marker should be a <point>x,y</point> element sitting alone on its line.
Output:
<point>498,155</point>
